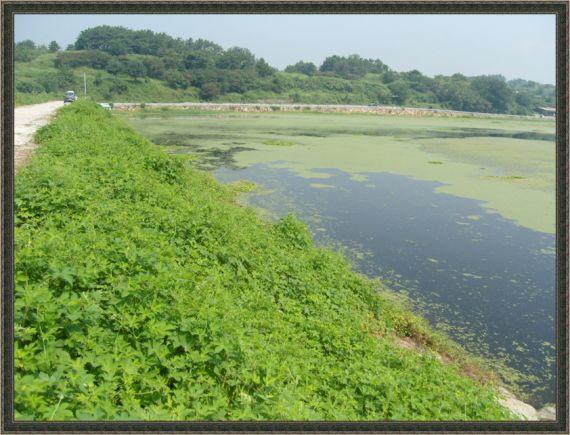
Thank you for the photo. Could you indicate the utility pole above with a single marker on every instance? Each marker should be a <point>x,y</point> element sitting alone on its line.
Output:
<point>84,84</point>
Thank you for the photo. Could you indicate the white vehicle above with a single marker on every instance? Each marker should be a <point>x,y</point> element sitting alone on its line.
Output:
<point>69,97</point>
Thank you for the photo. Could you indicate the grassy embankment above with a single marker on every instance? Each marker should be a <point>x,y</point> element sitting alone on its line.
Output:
<point>144,292</point>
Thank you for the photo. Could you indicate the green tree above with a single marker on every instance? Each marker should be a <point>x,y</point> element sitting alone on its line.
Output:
<point>494,89</point>
<point>25,51</point>
<point>29,87</point>
<point>210,91</point>
<point>114,67</point>
<point>390,76</point>
<point>352,67</point>
<point>197,60</point>
<point>417,81</point>
<point>307,68</point>
<point>98,79</point>
<point>263,68</point>
<point>456,93</point>
<point>154,67</point>
<point>400,91</point>
<point>172,60</point>
<point>239,81</point>
<point>134,68</point>
<point>118,86</point>
<point>92,58</point>
<point>236,58</point>
<point>53,47</point>
<point>178,79</point>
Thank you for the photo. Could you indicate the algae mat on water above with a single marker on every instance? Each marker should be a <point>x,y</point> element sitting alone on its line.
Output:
<point>507,164</point>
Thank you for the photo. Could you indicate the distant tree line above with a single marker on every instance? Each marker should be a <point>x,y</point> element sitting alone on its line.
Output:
<point>217,73</point>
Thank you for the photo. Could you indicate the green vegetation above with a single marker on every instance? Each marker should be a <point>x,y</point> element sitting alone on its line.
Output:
<point>144,292</point>
<point>278,143</point>
<point>39,81</point>
<point>143,66</point>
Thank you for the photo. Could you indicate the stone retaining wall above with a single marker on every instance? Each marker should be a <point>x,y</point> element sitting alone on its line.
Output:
<point>380,110</point>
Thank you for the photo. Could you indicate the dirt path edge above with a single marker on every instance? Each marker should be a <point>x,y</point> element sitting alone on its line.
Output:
<point>27,119</point>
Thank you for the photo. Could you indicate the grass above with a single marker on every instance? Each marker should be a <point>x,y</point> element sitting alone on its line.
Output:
<point>22,99</point>
<point>143,291</point>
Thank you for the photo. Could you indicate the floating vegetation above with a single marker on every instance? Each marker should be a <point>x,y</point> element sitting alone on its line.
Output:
<point>435,162</point>
<point>242,186</point>
<point>504,177</point>
<point>278,143</point>
<point>358,177</point>
<point>548,251</point>
<point>472,275</point>
<point>322,186</point>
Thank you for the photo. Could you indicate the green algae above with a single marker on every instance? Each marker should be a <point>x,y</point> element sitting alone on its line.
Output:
<point>358,177</point>
<point>471,275</point>
<point>322,186</point>
<point>242,186</point>
<point>278,143</point>
<point>509,171</point>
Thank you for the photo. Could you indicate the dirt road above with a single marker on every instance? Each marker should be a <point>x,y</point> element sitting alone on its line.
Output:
<point>27,119</point>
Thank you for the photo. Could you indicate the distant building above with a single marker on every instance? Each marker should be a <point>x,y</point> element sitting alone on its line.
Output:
<point>546,111</point>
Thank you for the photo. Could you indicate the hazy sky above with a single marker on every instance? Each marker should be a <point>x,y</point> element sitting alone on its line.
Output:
<point>516,46</point>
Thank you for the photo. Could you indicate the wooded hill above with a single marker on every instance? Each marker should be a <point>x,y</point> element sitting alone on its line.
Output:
<point>143,66</point>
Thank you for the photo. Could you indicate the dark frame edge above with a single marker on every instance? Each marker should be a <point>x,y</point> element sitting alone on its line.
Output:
<point>9,8</point>
<point>289,6</point>
<point>562,215</point>
<point>6,207</point>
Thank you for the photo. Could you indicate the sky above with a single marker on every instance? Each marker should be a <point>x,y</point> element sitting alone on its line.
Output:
<point>516,46</point>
